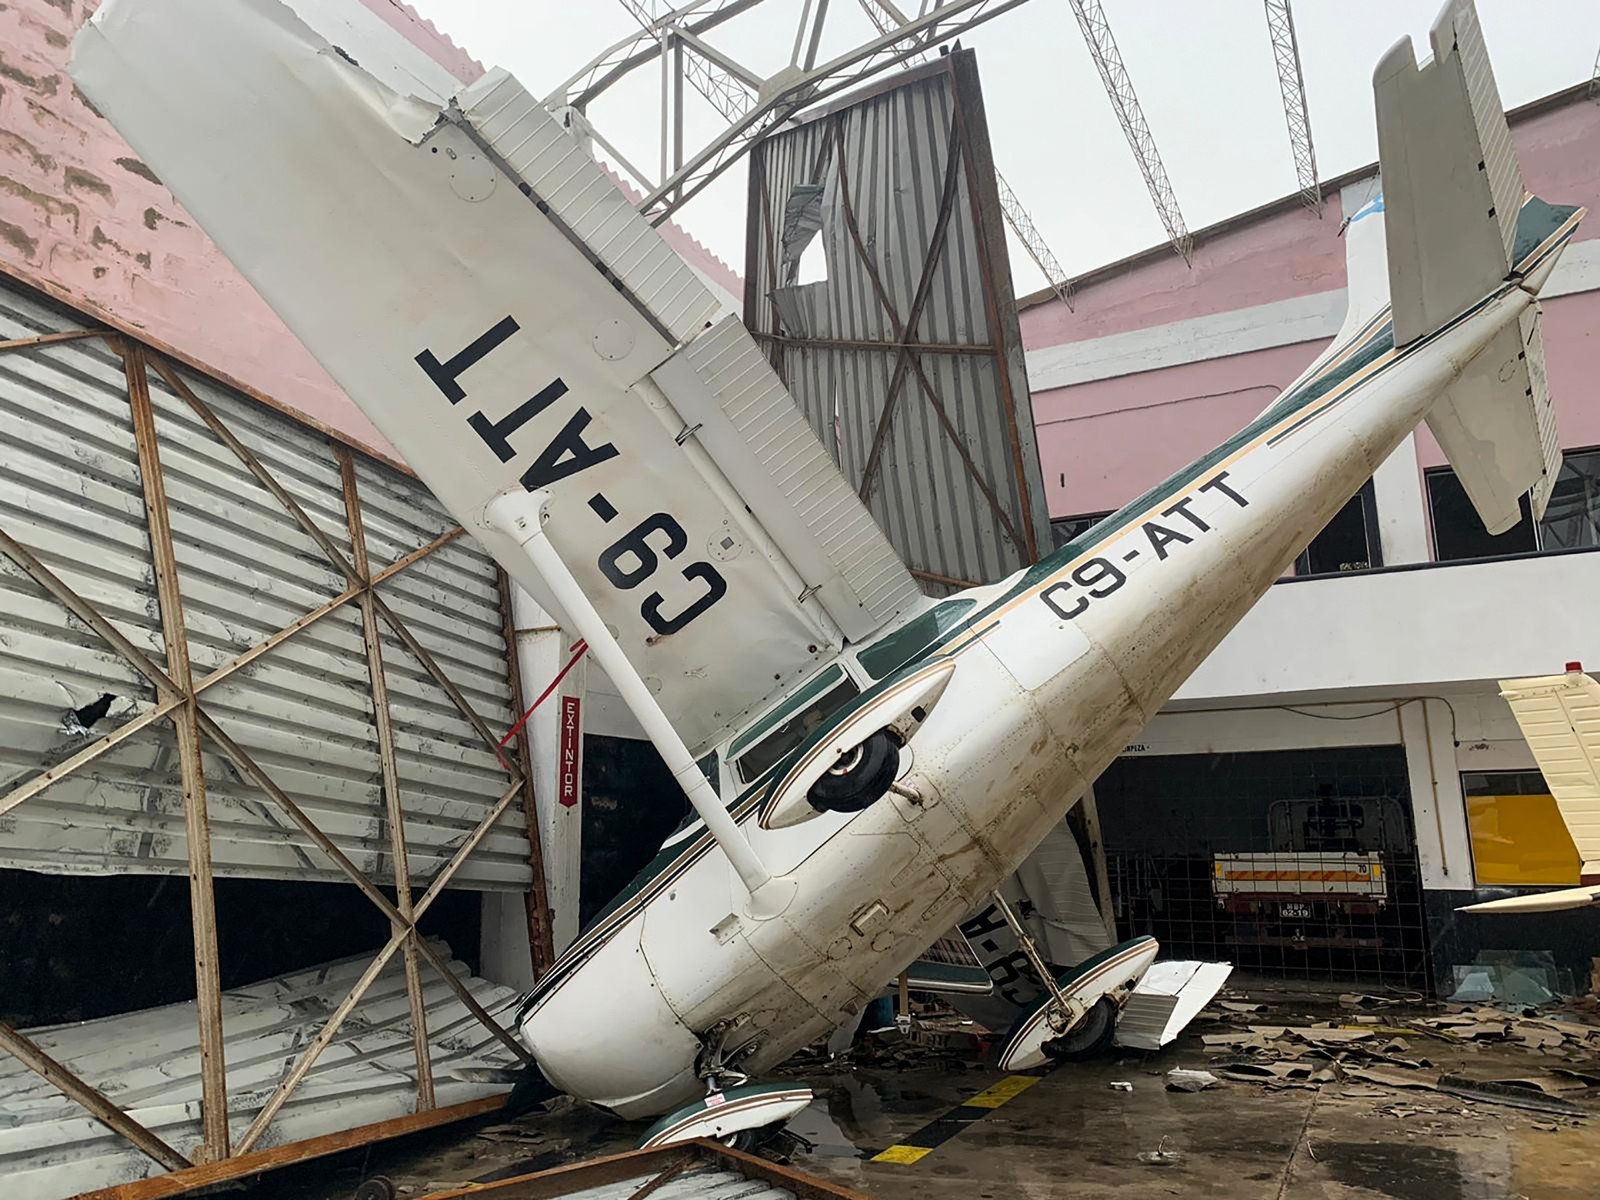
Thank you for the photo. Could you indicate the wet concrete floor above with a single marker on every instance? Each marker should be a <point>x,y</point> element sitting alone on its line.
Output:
<point>1071,1134</point>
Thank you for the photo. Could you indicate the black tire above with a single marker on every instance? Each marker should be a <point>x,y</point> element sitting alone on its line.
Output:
<point>1089,1038</point>
<point>379,1187</point>
<point>861,776</point>
<point>745,1141</point>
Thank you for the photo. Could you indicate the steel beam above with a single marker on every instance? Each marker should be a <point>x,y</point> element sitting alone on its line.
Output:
<point>197,826</point>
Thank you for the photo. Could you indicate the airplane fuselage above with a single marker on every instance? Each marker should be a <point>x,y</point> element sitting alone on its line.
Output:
<point>1056,670</point>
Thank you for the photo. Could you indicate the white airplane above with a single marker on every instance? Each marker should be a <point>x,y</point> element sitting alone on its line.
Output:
<point>867,765</point>
<point>1559,715</point>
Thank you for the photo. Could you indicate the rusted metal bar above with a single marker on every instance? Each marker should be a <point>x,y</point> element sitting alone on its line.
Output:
<point>159,1187</point>
<point>70,1085</point>
<point>982,188</point>
<point>197,827</point>
<point>947,580</point>
<point>904,331</point>
<point>420,652</point>
<point>485,1018</point>
<point>417,555</point>
<point>321,1042</point>
<point>253,464</point>
<point>662,1178</point>
<point>50,339</point>
<point>381,719</point>
<point>308,1057</point>
<point>88,614</point>
<point>813,343</point>
<point>541,935</point>
<point>88,754</point>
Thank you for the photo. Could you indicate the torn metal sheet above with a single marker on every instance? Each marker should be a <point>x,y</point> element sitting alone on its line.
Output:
<point>70,491</point>
<point>1170,995</point>
<point>148,1064</point>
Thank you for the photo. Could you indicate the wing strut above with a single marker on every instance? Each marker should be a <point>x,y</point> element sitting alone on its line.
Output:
<point>520,516</point>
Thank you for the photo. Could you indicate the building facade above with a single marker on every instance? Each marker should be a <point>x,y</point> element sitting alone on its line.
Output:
<point>1353,719</point>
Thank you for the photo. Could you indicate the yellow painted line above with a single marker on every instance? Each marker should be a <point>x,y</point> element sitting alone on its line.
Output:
<point>903,1154</point>
<point>1008,1088</point>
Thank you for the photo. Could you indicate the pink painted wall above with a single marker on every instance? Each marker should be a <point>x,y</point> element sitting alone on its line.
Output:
<point>1103,442</point>
<point>81,216</point>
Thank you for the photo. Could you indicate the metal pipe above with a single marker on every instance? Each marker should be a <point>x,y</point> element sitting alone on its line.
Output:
<point>1035,959</point>
<point>520,516</point>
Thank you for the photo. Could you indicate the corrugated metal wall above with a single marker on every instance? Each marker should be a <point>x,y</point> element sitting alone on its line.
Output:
<point>929,490</point>
<point>70,491</point>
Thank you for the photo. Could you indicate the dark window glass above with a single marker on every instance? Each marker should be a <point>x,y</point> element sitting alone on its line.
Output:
<point>1573,517</point>
<point>1066,529</point>
<point>1457,531</point>
<point>1571,521</point>
<point>1349,542</point>
<point>1503,783</point>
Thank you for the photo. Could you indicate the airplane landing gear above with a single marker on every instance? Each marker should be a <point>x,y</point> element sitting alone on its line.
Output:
<point>1077,1017</point>
<point>734,1111</point>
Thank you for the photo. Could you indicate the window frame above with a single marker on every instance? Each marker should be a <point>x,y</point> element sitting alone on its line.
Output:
<point>1368,494</point>
<point>1538,526</point>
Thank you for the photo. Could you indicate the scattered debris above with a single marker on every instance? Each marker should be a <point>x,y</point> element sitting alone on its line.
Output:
<point>1181,1080</point>
<point>1120,1085</point>
<point>1160,1156</point>
<point>1494,1091</point>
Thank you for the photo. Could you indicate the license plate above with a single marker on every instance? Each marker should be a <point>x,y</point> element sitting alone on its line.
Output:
<point>1300,911</point>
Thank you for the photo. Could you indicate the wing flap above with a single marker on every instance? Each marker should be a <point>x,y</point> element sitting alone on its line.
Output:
<point>462,310</point>
<point>1559,715</point>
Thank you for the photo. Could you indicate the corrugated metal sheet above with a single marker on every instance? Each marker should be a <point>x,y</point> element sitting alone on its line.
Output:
<point>148,1063</point>
<point>711,1181</point>
<point>588,202</point>
<point>897,145</point>
<point>70,491</point>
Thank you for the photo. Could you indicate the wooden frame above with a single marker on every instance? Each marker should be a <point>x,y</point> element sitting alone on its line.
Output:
<point>179,699</point>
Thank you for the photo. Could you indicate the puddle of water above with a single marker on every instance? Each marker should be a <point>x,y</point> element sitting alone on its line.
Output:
<point>1405,1171</point>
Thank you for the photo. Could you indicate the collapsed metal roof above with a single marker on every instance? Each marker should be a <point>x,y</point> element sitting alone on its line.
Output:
<point>149,1064</point>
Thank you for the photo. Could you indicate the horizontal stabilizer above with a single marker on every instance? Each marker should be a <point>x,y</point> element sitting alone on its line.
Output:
<point>1558,901</point>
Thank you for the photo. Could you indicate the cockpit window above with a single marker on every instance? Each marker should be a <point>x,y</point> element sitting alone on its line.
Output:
<point>788,725</point>
<point>912,638</point>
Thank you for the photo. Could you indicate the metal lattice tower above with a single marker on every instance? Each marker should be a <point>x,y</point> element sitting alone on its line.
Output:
<point>1292,83</point>
<point>1033,242</point>
<point>1594,80</point>
<point>1108,60</point>
<point>675,38</point>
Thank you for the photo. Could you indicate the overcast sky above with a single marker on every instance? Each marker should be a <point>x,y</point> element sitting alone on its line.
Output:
<point>1203,70</point>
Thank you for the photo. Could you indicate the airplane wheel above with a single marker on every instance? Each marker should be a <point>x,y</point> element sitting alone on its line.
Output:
<point>379,1187</point>
<point>859,778</point>
<point>745,1141</point>
<point>1089,1038</point>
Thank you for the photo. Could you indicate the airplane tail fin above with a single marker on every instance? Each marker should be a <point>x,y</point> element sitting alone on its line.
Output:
<point>1458,226</point>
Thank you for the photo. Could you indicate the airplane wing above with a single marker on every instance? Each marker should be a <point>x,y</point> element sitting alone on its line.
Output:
<point>491,300</point>
<point>1559,715</point>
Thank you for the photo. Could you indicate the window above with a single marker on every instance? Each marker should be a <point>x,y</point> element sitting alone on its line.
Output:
<point>788,725</point>
<point>893,651</point>
<point>1571,521</point>
<point>1518,835</point>
<point>1067,529</point>
<point>1349,542</point>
